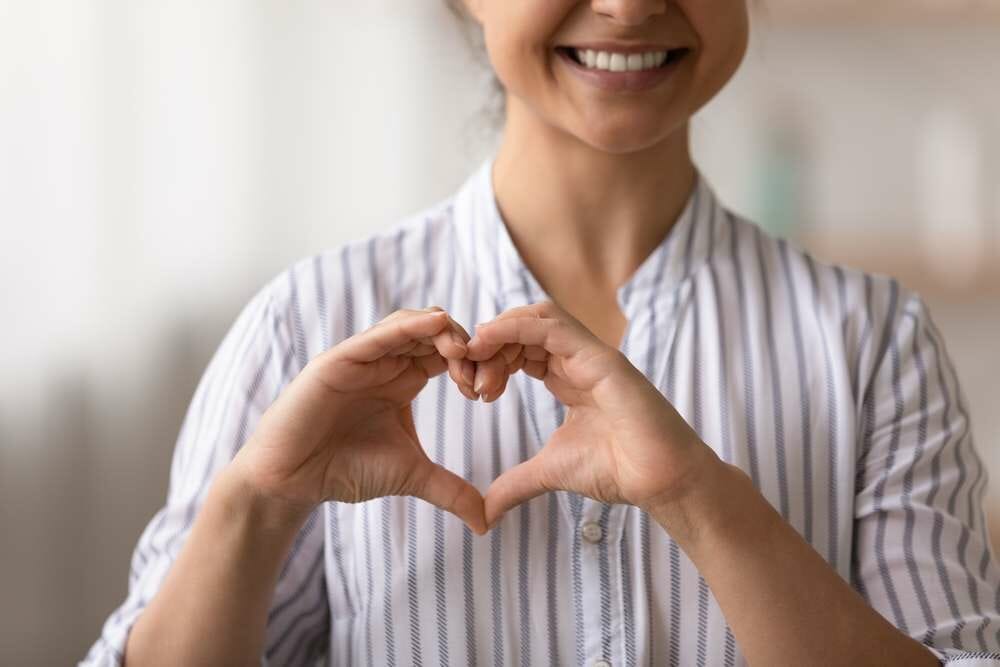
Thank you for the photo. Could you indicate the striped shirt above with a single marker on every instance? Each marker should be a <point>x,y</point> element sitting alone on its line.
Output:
<point>830,387</point>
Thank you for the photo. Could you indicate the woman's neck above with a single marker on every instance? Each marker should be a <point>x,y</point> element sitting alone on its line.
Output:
<point>574,211</point>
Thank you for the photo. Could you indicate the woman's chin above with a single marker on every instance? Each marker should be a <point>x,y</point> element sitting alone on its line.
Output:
<point>624,138</point>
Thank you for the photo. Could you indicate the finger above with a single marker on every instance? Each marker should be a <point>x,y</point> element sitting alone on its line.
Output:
<point>515,486</point>
<point>499,369</point>
<point>489,376</point>
<point>448,342</point>
<point>446,490</point>
<point>431,364</point>
<point>462,372</point>
<point>414,349</point>
<point>383,338</point>
<point>536,369</point>
<point>535,353</point>
<point>461,336</point>
<point>553,335</point>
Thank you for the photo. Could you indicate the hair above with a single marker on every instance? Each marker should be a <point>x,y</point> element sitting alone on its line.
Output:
<point>495,108</point>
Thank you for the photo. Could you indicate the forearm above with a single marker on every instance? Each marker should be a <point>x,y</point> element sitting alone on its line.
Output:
<point>212,606</point>
<point>783,601</point>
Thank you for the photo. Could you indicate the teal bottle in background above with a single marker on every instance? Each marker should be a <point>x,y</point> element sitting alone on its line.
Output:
<point>779,176</point>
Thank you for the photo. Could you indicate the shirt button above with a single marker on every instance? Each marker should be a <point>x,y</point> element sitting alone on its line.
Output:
<point>602,663</point>
<point>592,532</point>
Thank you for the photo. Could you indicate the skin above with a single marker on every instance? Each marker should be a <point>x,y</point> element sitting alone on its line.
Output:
<point>617,172</point>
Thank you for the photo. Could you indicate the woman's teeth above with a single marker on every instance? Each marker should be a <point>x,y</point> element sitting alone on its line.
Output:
<point>620,62</point>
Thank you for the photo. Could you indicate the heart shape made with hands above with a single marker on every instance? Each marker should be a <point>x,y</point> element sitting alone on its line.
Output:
<point>621,440</point>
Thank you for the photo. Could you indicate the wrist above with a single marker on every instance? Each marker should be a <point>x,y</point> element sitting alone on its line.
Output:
<point>707,499</point>
<point>244,499</point>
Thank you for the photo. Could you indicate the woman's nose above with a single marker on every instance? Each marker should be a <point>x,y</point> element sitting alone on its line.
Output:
<point>629,12</point>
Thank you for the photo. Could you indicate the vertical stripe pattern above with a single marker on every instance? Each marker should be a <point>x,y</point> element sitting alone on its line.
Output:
<point>831,386</point>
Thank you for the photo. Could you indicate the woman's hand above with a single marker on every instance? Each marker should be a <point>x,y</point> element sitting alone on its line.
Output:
<point>343,428</point>
<point>621,441</point>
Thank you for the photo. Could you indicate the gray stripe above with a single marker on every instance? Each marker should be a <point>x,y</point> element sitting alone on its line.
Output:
<point>412,589</point>
<point>644,520</point>
<point>804,402</point>
<point>300,347</point>
<point>879,493</point>
<point>370,579</point>
<point>604,574</point>
<point>349,329</point>
<point>838,272</point>
<point>676,573</point>
<point>729,643</point>
<point>911,563</point>
<point>551,597</point>
<point>523,551</point>
<point>879,358</point>
<point>944,363</point>
<point>749,412</point>
<point>440,582</point>
<point>776,395</point>
<point>832,409</point>
<point>625,556</point>
<point>468,568</point>
<point>866,333</point>
<point>867,418</point>
<point>723,395</point>
<point>375,314</point>
<point>336,546</point>
<point>696,423</point>
<point>576,507</point>
<point>868,411</point>
<point>305,532</point>
<point>938,525</point>
<point>321,310</point>
<point>319,605</point>
<point>496,537</point>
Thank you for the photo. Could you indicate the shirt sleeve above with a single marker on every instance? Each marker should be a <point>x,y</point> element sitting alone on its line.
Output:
<point>254,361</point>
<point>922,555</point>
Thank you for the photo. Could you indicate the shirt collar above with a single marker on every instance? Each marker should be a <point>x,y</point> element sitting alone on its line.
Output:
<point>489,252</point>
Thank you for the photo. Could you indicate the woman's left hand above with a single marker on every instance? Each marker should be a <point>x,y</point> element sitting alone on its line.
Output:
<point>621,440</point>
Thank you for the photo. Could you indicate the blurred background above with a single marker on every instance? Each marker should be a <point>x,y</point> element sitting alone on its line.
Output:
<point>159,161</point>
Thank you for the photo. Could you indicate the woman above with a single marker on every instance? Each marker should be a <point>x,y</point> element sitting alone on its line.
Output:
<point>720,451</point>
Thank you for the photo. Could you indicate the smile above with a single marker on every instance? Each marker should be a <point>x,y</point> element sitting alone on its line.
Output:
<point>620,72</point>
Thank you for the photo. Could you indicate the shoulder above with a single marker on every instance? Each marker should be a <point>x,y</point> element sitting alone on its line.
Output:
<point>857,313</point>
<point>838,287</point>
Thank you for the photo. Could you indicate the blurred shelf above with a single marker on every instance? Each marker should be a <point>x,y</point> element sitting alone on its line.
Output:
<point>863,12</point>
<point>902,257</point>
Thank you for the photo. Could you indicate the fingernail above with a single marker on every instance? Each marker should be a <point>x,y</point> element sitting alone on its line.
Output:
<point>479,381</point>
<point>468,373</point>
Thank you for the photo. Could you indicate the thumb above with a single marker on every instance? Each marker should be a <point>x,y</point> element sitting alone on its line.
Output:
<point>446,490</point>
<point>515,486</point>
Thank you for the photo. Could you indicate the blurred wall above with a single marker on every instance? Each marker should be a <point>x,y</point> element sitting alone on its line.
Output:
<point>160,161</point>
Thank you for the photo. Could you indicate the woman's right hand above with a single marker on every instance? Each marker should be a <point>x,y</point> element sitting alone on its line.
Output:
<point>343,429</point>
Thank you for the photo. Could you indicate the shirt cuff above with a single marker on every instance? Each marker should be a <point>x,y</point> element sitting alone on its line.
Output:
<point>959,658</point>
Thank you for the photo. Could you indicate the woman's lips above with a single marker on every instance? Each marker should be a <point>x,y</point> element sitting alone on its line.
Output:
<point>628,81</point>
